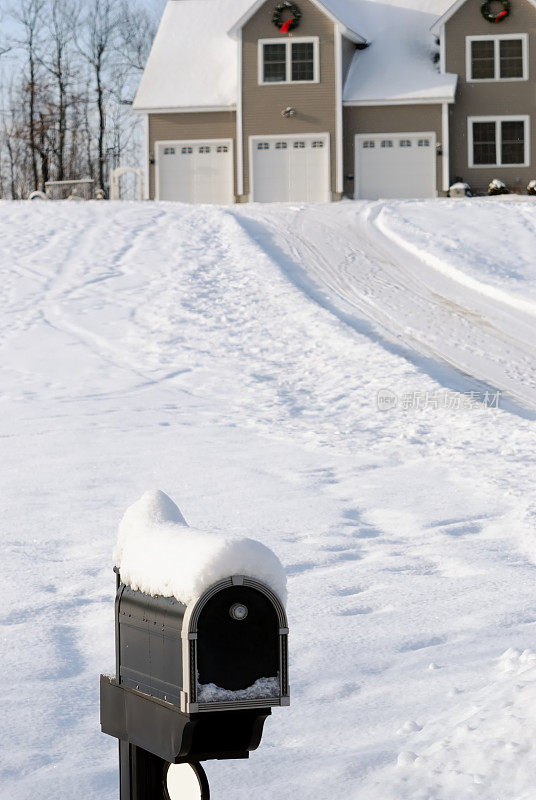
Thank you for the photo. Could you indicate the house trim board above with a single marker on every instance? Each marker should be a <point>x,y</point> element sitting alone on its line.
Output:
<point>339,144</point>
<point>403,102</point>
<point>239,125</point>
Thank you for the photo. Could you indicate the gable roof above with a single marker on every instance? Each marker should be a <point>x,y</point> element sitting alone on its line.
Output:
<point>339,17</point>
<point>451,10</point>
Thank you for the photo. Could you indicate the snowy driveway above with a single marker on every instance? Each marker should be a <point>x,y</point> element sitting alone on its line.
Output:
<point>353,261</point>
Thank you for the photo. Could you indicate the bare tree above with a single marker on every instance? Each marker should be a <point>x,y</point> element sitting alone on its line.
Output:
<point>63,19</point>
<point>68,113</point>
<point>98,48</point>
<point>29,16</point>
<point>135,34</point>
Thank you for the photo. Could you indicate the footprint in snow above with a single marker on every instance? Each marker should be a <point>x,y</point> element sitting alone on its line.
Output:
<point>352,612</point>
<point>409,727</point>
<point>409,647</point>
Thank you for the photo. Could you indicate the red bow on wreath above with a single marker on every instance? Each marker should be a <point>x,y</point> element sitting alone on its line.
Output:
<point>286,25</point>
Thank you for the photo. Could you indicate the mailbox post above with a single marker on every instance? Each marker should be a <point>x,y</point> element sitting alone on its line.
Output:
<point>193,681</point>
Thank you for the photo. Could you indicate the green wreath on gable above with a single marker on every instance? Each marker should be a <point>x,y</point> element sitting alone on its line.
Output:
<point>290,22</point>
<point>488,14</point>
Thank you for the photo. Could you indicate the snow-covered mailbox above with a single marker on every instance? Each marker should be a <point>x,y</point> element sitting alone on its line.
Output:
<point>201,645</point>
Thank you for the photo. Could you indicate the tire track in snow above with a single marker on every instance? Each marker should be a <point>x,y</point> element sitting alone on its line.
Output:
<point>352,270</point>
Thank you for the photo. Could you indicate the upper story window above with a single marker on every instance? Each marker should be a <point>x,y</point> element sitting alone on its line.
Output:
<point>295,60</point>
<point>498,141</point>
<point>497,58</point>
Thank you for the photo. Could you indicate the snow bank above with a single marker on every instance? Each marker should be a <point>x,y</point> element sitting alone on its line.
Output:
<point>450,238</point>
<point>159,554</point>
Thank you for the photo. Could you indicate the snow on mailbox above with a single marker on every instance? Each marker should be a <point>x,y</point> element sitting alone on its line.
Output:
<point>201,645</point>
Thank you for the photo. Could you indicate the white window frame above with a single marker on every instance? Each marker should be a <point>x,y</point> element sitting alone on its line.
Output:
<point>498,140</point>
<point>314,40</point>
<point>496,39</point>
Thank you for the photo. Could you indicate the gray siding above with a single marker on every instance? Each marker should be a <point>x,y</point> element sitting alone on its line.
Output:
<point>495,98</point>
<point>387,119</point>
<point>314,103</point>
<point>202,125</point>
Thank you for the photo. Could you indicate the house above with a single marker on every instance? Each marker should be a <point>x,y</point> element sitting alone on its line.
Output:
<point>271,100</point>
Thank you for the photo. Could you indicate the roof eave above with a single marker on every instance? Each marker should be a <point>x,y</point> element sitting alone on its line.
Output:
<point>401,101</point>
<point>352,35</point>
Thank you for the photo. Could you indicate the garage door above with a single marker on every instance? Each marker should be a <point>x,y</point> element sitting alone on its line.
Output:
<point>395,165</point>
<point>195,171</point>
<point>290,169</point>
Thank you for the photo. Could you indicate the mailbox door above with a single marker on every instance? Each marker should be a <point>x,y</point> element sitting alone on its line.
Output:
<point>237,642</point>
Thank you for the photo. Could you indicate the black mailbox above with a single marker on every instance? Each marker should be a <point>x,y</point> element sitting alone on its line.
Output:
<point>193,682</point>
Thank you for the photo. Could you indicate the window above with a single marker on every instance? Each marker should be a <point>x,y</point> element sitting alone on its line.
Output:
<point>483,60</point>
<point>303,61</point>
<point>497,58</point>
<point>169,151</point>
<point>369,143</point>
<point>484,143</point>
<point>299,145</point>
<point>275,63</point>
<point>222,148</point>
<point>386,143</point>
<point>513,142</point>
<point>263,145</point>
<point>280,145</point>
<point>204,149</point>
<point>317,144</point>
<point>292,61</point>
<point>405,143</point>
<point>187,150</point>
<point>511,58</point>
<point>424,143</point>
<point>498,142</point>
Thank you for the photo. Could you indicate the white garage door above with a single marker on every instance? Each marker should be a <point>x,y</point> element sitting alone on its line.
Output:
<point>290,169</point>
<point>195,171</point>
<point>395,165</point>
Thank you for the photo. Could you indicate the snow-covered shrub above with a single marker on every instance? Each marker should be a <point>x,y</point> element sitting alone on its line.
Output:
<point>460,189</point>
<point>531,188</point>
<point>498,187</point>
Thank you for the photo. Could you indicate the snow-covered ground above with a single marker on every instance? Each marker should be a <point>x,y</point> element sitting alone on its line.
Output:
<point>233,358</point>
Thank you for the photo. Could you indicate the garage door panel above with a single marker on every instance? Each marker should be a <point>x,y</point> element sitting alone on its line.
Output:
<point>395,166</point>
<point>290,169</point>
<point>196,171</point>
<point>271,170</point>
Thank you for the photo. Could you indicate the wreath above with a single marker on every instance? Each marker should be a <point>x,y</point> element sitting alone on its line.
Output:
<point>289,23</point>
<point>488,14</point>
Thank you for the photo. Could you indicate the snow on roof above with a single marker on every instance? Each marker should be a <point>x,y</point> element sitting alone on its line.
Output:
<point>193,62</point>
<point>157,553</point>
<point>397,65</point>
